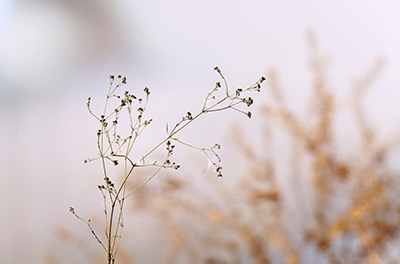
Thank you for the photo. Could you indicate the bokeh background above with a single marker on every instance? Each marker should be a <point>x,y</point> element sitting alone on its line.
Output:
<point>55,54</point>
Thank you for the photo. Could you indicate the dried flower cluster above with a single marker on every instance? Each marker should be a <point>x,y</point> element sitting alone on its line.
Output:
<point>126,113</point>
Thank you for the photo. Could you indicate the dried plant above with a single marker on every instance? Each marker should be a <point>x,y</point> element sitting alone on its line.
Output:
<point>323,205</point>
<point>125,113</point>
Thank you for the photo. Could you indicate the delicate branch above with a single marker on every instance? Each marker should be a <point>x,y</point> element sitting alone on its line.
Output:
<point>113,147</point>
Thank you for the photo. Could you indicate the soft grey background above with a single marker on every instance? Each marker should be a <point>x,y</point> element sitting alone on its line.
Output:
<point>54,54</point>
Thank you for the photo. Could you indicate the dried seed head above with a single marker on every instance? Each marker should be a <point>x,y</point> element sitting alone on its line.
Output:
<point>249,101</point>
<point>219,171</point>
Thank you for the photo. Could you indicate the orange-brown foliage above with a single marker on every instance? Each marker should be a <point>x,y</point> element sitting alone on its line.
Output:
<point>337,208</point>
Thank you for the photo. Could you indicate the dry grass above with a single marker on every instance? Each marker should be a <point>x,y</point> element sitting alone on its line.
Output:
<point>315,203</point>
<point>116,145</point>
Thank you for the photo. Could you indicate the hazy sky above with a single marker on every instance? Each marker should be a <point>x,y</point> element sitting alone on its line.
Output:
<point>54,54</point>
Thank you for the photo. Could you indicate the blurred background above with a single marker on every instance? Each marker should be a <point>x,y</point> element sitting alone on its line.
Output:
<point>55,54</point>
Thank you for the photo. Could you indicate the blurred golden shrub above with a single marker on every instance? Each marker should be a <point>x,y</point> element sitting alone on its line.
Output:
<point>325,206</point>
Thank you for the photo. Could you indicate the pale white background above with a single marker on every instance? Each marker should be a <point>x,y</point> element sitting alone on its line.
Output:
<point>54,54</point>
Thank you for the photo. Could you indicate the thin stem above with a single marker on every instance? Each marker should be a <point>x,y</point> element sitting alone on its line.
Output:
<point>112,147</point>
